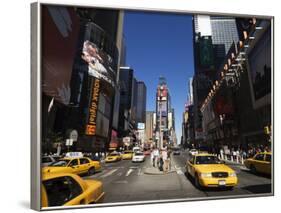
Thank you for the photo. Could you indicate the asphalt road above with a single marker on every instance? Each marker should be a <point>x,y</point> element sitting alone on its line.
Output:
<point>125,181</point>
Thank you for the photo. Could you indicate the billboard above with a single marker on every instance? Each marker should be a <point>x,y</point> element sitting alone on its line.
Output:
<point>141,126</point>
<point>260,66</point>
<point>206,53</point>
<point>91,120</point>
<point>58,50</point>
<point>99,63</point>
<point>162,106</point>
<point>162,93</point>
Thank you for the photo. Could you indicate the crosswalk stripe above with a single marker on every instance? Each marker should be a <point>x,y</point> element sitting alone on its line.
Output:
<point>109,173</point>
<point>129,172</point>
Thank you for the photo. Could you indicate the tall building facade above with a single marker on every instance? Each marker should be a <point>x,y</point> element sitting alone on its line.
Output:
<point>213,37</point>
<point>77,98</point>
<point>141,102</point>
<point>126,80</point>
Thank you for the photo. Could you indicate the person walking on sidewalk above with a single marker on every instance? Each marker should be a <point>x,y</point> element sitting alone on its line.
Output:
<point>152,157</point>
<point>155,154</point>
<point>165,160</point>
<point>169,153</point>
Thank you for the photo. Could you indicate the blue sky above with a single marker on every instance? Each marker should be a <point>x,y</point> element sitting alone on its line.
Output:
<point>160,44</point>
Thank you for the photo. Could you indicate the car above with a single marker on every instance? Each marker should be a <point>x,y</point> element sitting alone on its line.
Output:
<point>260,163</point>
<point>176,152</point>
<point>65,189</point>
<point>127,155</point>
<point>193,152</point>
<point>136,149</point>
<point>208,171</point>
<point>113,157</point>
<point>138,157</point>
<point>80,165</point>
<point>49,159</point>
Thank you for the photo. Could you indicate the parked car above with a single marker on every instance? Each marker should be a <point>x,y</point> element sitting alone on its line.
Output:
<point>78,166</point>
<point>49,159</point>
<point>127,155</point>
<point>208,171</point>
<point>113,157</point>
<point>138,157</point>
<point>61,189</point>
<point>193,152</point>
<point>260,163</point>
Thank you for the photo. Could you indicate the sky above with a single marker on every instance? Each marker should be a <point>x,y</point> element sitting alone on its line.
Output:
<point>161,44</point>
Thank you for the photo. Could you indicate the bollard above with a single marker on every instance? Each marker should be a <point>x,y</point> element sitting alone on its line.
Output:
<point>242,160</point>
<point>231,158</point>
<point>237,159</point>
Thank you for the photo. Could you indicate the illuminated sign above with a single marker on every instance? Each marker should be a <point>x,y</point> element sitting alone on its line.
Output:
<point>93,108</point>
<point>141,126</point>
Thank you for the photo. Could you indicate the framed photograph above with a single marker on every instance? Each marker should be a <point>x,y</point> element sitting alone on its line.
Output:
<point>135,106</point>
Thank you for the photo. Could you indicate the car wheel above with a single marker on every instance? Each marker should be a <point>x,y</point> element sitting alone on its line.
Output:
<point>91,171</point>
<point>253,169</point>
<point>196,181</point>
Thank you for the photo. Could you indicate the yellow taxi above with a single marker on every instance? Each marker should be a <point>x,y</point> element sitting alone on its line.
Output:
<point>61,189</point>
<point>208,171</point>
<point>127,155</point>
<point>113,157</point>
<point>80,165</point>
<point>261,162</point>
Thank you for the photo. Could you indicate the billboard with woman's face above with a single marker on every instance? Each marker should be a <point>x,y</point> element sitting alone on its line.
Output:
<point>99,63</point>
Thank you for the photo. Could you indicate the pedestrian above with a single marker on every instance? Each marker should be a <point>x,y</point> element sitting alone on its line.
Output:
<point>169,154</point>
<point>160,164</point>
<point>152,157</point>
<point>155,157</point>
<point>221,154</point>
<point>165,160</point>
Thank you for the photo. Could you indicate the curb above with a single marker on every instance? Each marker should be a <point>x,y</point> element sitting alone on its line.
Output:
<point>159,173</point>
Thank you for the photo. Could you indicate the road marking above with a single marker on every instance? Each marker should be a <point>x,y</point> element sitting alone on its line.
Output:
<point>109,173</point>
<point>129,172</point>
<point>139,172</point>
<point>134,167</point>
<point>121,181</point>
<point>119,174</point>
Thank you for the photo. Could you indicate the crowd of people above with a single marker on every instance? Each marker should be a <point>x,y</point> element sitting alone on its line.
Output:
<point>240,154</point>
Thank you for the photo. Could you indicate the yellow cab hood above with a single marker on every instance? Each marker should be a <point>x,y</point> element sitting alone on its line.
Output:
<point>56,169</point>
<point>208,168</point>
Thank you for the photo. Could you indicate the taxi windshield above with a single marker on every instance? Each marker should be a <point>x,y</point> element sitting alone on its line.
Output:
<point>207,160</point>
<point>60,163</point>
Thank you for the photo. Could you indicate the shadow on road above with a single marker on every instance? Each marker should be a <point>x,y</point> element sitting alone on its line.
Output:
<point>256,189</point>
<point>257,174</point>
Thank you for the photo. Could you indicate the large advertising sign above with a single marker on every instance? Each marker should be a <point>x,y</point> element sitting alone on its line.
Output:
<point>91,123</point>
<point>141,126</point>
<point>98,63</point>
<point>206,51</point>
<point>162,107</point>
<point>162,92</point>
<point>59,41</point>
<point>260,66</point>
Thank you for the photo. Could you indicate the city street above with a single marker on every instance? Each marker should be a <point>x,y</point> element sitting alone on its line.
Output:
<point>125,181</point>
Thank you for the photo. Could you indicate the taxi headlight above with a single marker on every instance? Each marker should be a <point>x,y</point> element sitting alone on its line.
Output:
<point>232,174</point>
<point>206,175</point>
